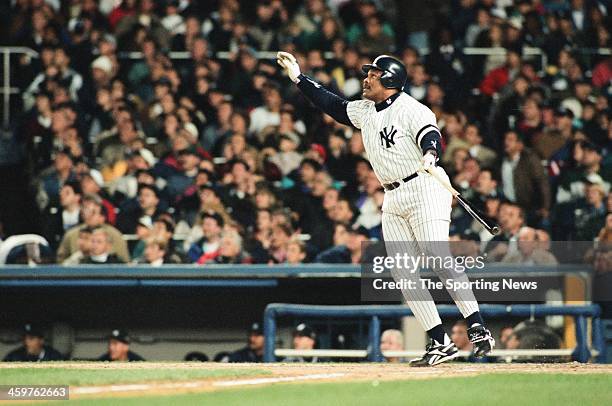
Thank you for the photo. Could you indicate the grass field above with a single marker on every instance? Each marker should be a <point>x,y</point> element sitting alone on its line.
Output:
<point>79,377</point>
<point>320,384</point>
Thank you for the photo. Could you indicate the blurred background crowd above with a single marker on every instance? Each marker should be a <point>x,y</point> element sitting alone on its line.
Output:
<point>163,132</point>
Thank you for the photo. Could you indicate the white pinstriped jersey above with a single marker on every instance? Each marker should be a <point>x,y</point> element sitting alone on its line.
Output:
<point>392,136</point>
<point>418,210</point>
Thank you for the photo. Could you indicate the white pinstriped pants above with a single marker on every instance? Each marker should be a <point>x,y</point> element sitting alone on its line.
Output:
<point>414,214</point>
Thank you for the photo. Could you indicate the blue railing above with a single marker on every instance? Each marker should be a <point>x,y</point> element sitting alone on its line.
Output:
<point>580,313</point>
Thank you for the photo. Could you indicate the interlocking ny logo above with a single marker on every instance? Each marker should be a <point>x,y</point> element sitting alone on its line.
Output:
<point>386,137</point>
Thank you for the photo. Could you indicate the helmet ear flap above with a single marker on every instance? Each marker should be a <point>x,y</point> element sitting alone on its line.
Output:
<point>386,79</point>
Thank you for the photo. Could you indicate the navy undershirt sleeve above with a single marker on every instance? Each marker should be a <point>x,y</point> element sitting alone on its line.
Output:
<point>432,140</point>
<point>325,100</point>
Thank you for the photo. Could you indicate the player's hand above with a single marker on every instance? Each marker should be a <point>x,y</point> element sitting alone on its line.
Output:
<point>429,160</point>
<point>289,65</point>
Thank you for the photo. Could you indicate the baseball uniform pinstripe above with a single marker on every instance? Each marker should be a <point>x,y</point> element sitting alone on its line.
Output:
<point>418,211</point>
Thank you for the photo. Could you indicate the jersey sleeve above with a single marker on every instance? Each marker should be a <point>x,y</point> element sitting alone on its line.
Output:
<point>357,110</point>
<point>419,122</point>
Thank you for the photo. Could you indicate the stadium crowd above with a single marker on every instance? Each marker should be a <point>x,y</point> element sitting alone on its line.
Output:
<point>197,150</point>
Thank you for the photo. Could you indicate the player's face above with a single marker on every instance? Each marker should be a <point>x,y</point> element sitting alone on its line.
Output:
<point>33,344</point>
<point>303,343</point>
<point>256,342</point>
<point>372,88</point>
<point>118,350</point>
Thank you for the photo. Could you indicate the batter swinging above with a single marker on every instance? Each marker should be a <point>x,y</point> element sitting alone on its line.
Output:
<point>402,141</point>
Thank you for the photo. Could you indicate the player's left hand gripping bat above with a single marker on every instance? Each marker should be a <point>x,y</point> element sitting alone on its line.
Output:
<point>488,225</point>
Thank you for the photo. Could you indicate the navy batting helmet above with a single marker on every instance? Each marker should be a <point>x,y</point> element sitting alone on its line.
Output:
<point>394,73</point>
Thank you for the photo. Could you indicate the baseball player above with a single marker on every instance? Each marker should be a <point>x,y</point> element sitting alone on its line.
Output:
<point>402,142</point>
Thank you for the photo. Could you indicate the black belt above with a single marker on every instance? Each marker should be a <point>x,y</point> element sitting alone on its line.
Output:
<point>396,184</point>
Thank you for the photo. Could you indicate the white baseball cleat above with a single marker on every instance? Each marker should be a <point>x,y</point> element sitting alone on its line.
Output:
<point>436,353</point>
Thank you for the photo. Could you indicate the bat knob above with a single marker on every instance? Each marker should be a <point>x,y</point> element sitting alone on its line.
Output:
<point>495,230</point>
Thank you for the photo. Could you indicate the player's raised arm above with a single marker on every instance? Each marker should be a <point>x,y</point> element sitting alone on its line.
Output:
<point>328,102</point>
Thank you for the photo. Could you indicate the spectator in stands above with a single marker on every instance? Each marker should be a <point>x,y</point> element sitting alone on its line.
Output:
<point>56,221</point>
<point>237,192</point>
<point>92,183</point>
<point>207,248</point>
<point>296,252</point>
<point>269,16</point>
<point>287,159</point>
<point>558,136</point>
<point>343,211</point>
<point>348,253</point>
<point>374,41</point>
<point>268,114</point>
<point>155,252</point>
<point>485,156</point>
<point>304,338</point>
<point>467,177</point>
<point>392,340</point>
<point>189,159</point>
<point>114,148</point>
<point>52,179</point>
<point>528,251</point>
<point>590,212</point>
<point>279,241</point>
<point>34,348</point>
<point>486,187</point>
<point>126,187</point>
<point>524,180</point>
<point>119,348</point>
<point>591,168</point>
<point>207,199</point>
<point>263,228</point>
<point>144,229</point>
<point>163,229</point>
<point>466,244</point>
<point>101,244</point>
<point>368,204</point>
<point>499,77</point>
<point>511,220</point>
<point>253,352</point>
<point>531,125</point>
<point>83,247</point>
<point>93,216</point>
<point>230,250</point>
<point>147,205</point>
<point>113,119</point>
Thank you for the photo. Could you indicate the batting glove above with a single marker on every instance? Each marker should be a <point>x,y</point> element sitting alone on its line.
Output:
<point>289,65</point>
<point>429,160</point>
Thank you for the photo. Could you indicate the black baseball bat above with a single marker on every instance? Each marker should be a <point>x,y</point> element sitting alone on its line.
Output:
<point>472,211</point>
